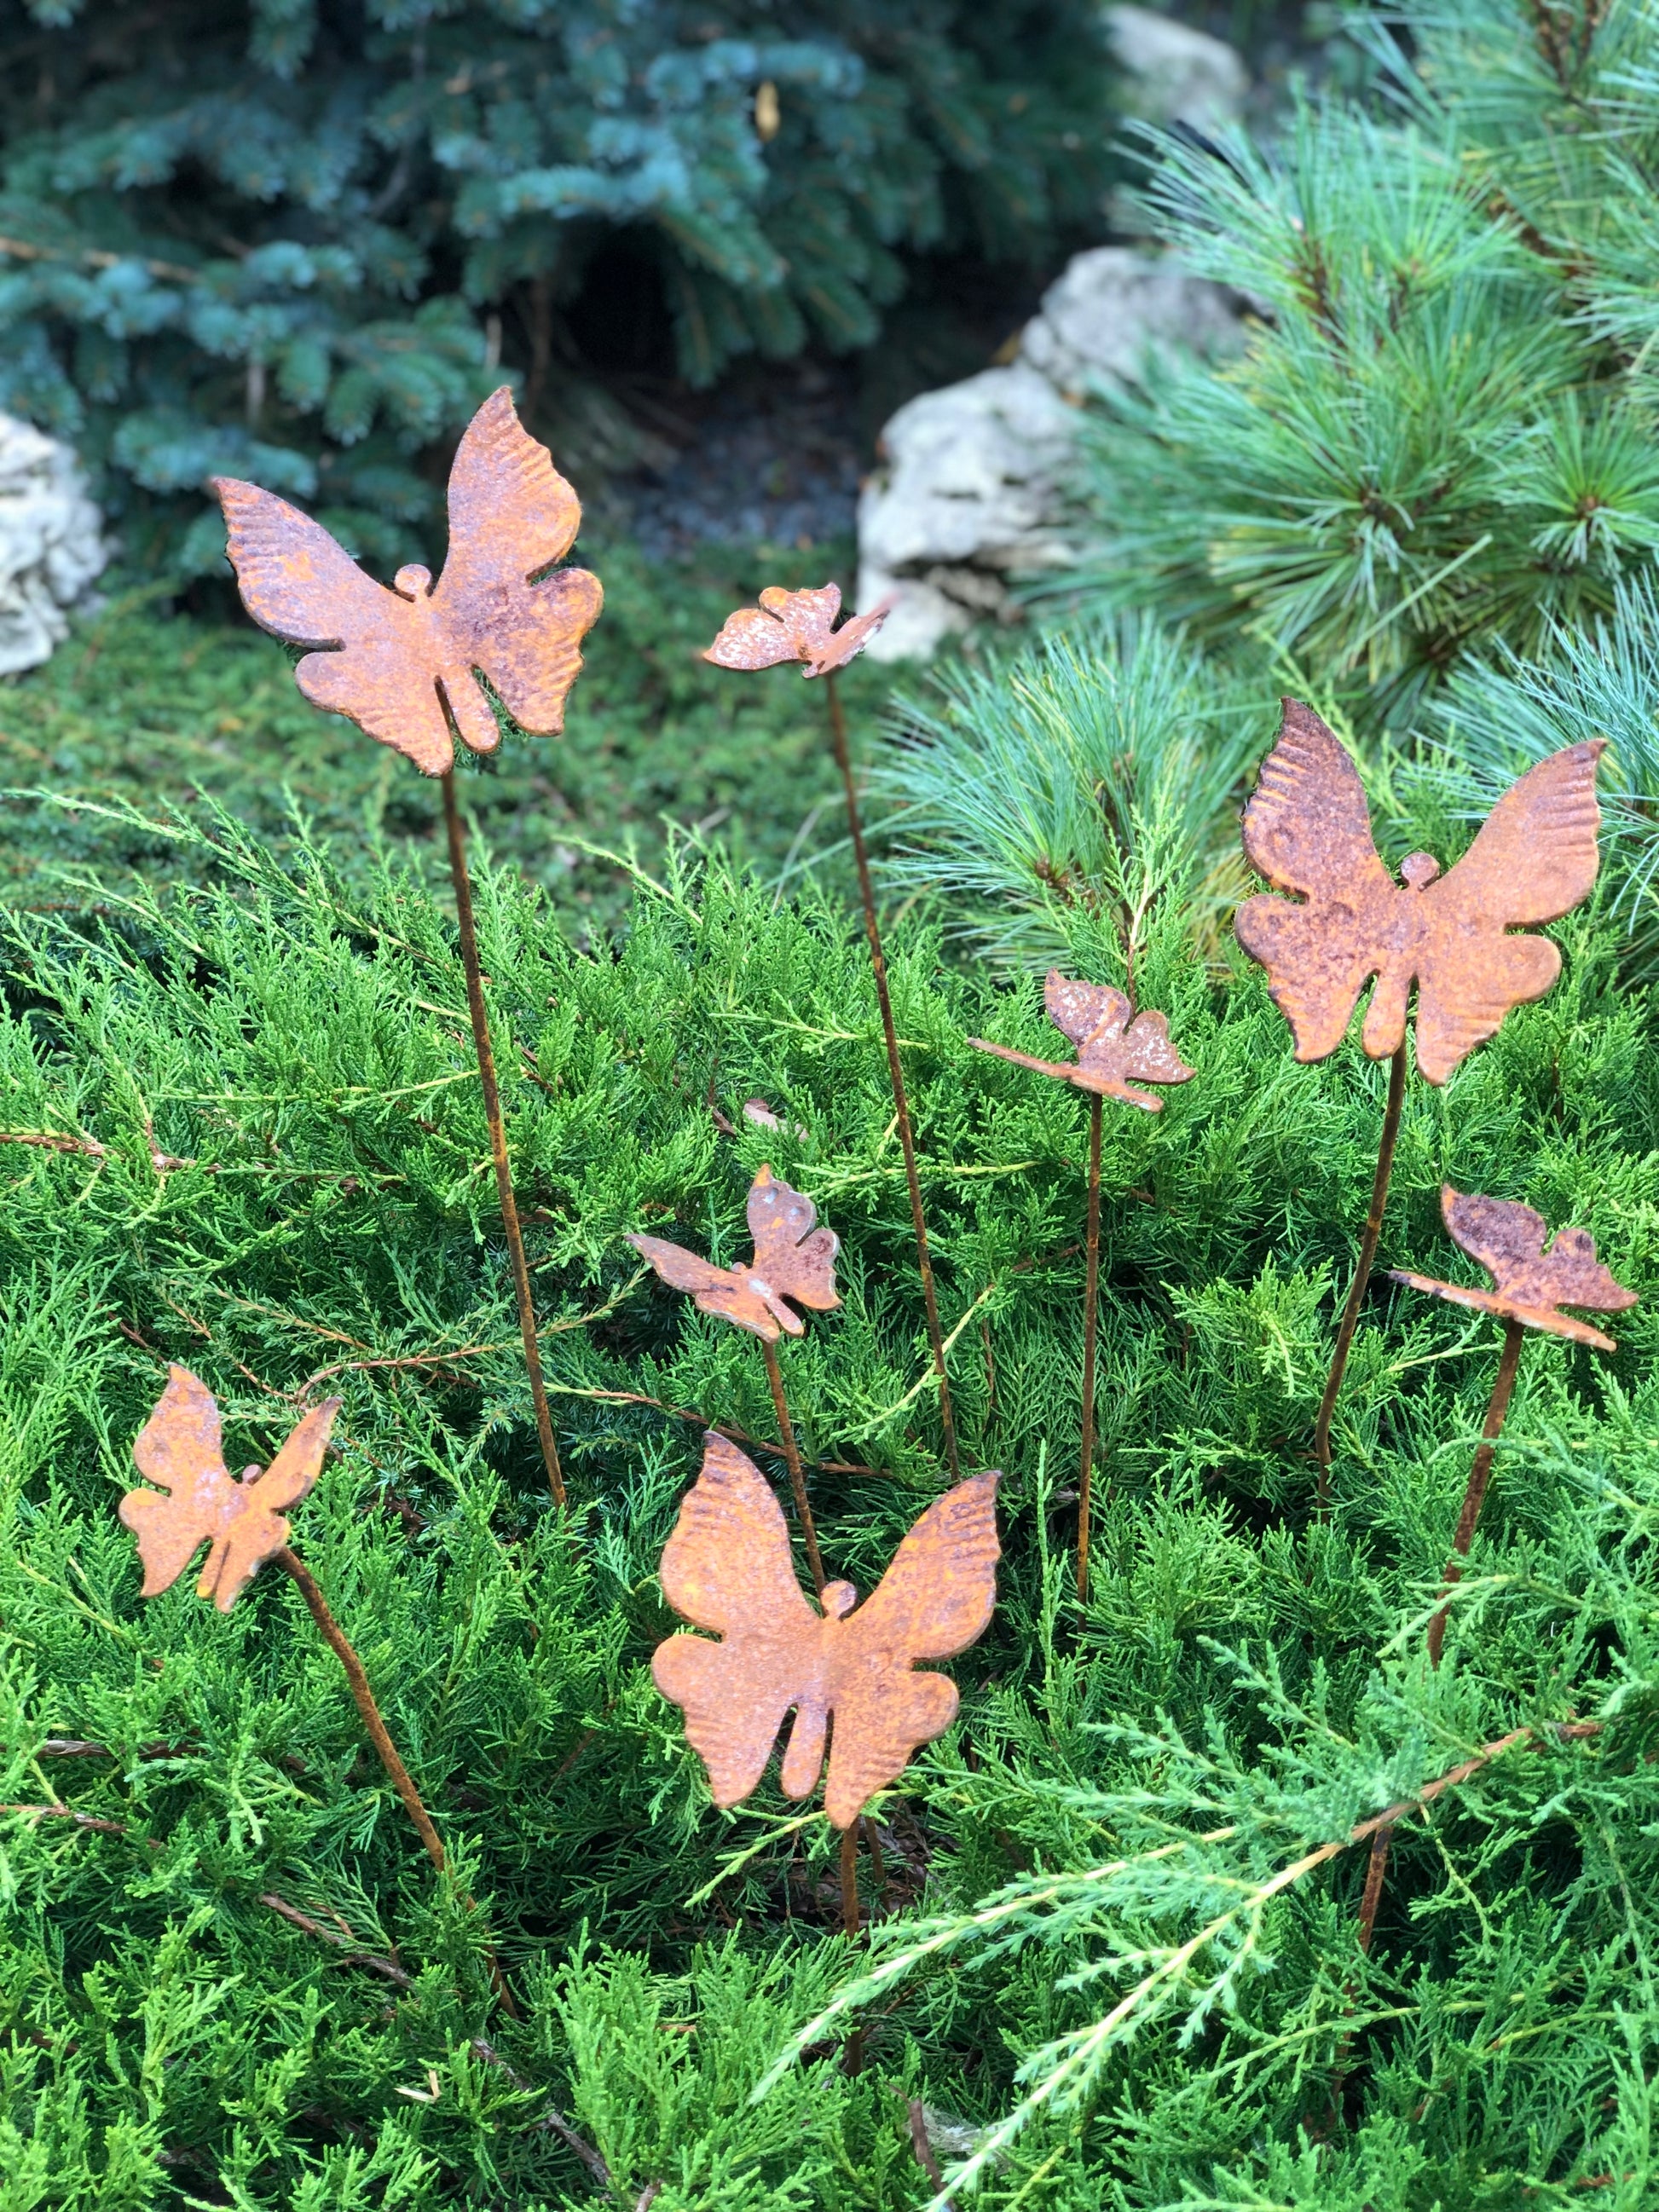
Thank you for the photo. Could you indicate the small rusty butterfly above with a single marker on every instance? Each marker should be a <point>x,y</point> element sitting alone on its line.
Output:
<point>1111,1047</point>
<point>793,1260</point>
<point>1529,1283</point>
<point>404,663</point>
<point>795,626</point>
<point>197,1499</point>
<point>1308,830</point>
<point>728,1568</point>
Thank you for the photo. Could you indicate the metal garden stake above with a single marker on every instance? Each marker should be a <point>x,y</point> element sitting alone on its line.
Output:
<point>793,1260</point>
<point>728,1568</point>
<point>195,1499</point>
<point>405,665</point>
<point>799,626</point>
<point>1529,1283</point>
<point>1308,830</point>
<point>1111,1047</point>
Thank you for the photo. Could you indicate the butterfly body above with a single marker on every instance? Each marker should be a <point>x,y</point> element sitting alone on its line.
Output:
<point>1111,1047</point>
<point>403,663</point>
<point>1307,829</point>
<point>794,626</point>
<point>793,1259</point>
<point>1529,1282</point>
<point>197,1499</point>
<point>848,1671</point>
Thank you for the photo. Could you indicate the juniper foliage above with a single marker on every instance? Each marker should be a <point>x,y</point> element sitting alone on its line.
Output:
<point>1117,1963</point>
<point>1440,433</point>
<point>267,240</point>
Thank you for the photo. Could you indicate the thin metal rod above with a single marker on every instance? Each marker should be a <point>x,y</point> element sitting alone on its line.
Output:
<point>878,1865</point>
<point>1091,1316</point>
<point>1362,1274</point>
<point>791,1455</point>
<point>334,1636</point>
<point>363,1698</point>
<point>492,1098</point>
<point>1480,1474</point>
<point>907,1140</point>
<point>1376,1868</point>
<point>852,2051</point>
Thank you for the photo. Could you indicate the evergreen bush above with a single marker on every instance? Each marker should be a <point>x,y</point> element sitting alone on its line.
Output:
<point>1440,437</point>
<point>290,241</point>
<point>1118,1965</point>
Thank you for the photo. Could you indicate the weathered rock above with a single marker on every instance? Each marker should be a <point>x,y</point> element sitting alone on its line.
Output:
<point>1173,74</point>
<point>970,498</point>
<point>51,545</point>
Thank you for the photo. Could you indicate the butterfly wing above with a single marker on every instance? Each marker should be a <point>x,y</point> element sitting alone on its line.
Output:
<point>728,1567</point>
<point>726,1292</point>
<point>178,1449</point>
<point>933,1602</point>
<point>1508,1240</point>
<point>749,638</point>
<point>1308,830</point>
<point>258,1528</point>
<point>300,584</point>
<point>1082,1011</point>
<point>850,641</point>
<point>797,1259</point>
<point>1535,859</point>
<point>1150,1054</point>
<point>511,514</point>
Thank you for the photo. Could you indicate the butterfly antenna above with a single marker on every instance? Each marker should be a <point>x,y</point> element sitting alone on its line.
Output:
<point>895,1069</point>
<point>492,1098</point>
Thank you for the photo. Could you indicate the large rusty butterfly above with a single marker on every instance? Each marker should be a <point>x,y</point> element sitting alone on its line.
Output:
<point>795,626</point>
<point>1111,1047</point>
<point>404,664</point>
<point>727,1568</point>
<point>196,1498</point>
<point>1529,1282</point>
<point>1308,830</point>
<point>793,1260</point>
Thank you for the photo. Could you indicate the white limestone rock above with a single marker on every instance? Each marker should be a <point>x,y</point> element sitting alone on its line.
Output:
<point>1174,73</point>
<point>52,543</point>
<point>968,499</point>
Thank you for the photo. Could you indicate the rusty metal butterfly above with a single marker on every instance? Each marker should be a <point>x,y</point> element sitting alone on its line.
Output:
<point>793,1260</point>
<point>1530,1282</point>
<point>795,626</point>
<point>197,1498</point>
<point>1110,1046</point>
<point>1308,830</point>
<point>727,1568</point>
<point>404,664</point>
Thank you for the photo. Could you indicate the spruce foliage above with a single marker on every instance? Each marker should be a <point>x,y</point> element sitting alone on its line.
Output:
<point>267,240</point>
<point>1117,1963</point>
<point>1441,433</point>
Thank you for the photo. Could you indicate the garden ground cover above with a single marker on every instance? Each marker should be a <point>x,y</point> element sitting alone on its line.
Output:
<point>244,1132</point>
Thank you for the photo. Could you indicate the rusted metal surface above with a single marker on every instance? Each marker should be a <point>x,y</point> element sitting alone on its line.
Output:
<point>728,1568</point>
<point>1529,1282</point>
<point>795,626</point>
<point>196,1498</point>
<point>404,664</point>
<point>793,1260</point>
<point>1308,830</point>
<point>1111,1047</point>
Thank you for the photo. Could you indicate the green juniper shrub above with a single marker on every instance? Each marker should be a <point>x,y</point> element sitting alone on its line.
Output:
<point>292,241</point>
<point>1118,1963</point>
<point>1441,432</point>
